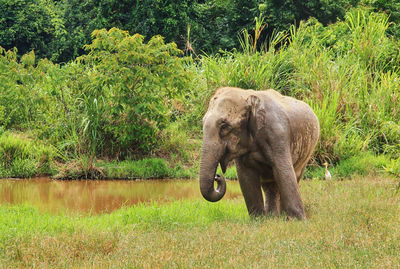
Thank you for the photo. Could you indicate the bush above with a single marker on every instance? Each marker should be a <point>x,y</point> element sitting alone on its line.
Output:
<point>112,101</point>
<point>128,89</point>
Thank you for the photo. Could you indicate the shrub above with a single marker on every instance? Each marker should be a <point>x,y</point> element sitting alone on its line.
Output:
<point>128,88</point>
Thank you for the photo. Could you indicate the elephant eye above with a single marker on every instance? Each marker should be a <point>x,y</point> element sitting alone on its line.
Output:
<point>225,129</point>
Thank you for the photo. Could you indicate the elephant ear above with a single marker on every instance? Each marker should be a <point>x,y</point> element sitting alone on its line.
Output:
<point>256,114</point>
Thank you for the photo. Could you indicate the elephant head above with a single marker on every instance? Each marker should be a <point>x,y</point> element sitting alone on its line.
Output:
<point>226,136</point>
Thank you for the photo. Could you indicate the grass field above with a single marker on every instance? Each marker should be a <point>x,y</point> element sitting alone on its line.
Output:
<point>350,224</point>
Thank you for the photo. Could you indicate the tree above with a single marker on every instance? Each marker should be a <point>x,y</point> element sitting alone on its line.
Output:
<point>129,89</point>
<point>29,25</point>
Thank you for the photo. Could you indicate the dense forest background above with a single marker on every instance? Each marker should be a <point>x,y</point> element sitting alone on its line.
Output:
<point>89,87</point>
<point>58,29</point>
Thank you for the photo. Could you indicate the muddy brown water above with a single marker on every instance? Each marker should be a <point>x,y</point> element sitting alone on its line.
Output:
<point>97,197</point>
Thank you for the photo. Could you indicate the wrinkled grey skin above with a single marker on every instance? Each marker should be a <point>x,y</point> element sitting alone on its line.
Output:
<point>271,137</point>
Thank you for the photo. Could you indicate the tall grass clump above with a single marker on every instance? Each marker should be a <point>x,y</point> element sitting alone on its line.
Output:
<point>350,83</point>
<point>141,169</point>
<point>22,157</point>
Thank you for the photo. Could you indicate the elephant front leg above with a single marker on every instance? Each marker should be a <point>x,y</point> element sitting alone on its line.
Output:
<point>272,199</point>
<point>250,185</point>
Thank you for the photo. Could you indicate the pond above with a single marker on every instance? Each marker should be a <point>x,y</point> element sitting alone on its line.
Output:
<point>97,197</point>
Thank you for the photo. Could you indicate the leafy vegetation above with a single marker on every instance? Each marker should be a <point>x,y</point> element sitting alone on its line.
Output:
<point>30,25</point>
<point>113,101</point>
<point>129,105</point>
<point>129,110</point>
<point>59,29</point>
<point>144,169</point>
<point>129,98</point>
<point>22,157</point>
<point>351,84</point>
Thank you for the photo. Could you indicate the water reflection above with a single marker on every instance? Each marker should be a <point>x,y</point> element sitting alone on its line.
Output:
<point>95,197</point>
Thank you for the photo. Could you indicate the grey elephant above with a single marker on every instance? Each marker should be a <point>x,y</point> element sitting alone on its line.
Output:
<point>270,136</point>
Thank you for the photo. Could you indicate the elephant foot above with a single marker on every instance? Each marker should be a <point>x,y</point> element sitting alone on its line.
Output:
<point>257,213</point>
<point>296,212</point>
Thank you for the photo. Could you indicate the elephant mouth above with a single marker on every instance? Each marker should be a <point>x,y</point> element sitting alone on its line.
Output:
<point>225,160</point>
<point>224,164</point>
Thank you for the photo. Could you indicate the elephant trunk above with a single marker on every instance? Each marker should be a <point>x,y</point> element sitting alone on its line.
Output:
<point>210,156</point>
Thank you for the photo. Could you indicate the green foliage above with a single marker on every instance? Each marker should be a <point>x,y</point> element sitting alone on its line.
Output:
<point>282,14</point>
<point>114,100</point>
<point>394,168</point>
<point>30,25</point>
<point>129,88</point>
<point>128,98</point>
<point>21,157</point>
<point>147,168</point>
<point>361,165</point>
<point>390,7</point>
<point>229,174</point>
<point>141,169</point>
<point>347,72</point>
<point>16,104</point>
<point>180,144</point>
<point>217,24</point>
<point>349,103</point>
<point>59,29</point>
<point>149,18</point>
<point>168,18</point>
<point>256,71</point>
<point>80,19</point>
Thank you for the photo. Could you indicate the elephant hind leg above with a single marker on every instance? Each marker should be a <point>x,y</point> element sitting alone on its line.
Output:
<point>300,175</point>
<point>272,198</point>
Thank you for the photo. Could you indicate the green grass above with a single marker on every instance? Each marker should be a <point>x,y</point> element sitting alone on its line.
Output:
<point>23,157</point>
<point>350,223</point>
<point>230,172</point>
<point>144,169</point>
<point>362,164</point>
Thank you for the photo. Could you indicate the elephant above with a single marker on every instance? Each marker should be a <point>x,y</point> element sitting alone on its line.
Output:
<point>271,138</point>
